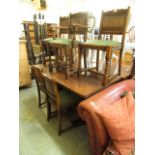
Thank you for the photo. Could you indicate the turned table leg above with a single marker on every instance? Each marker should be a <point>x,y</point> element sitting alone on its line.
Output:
<point>108,66</point>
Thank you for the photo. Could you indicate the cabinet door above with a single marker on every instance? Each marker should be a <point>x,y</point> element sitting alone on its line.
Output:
<point>24,71</point>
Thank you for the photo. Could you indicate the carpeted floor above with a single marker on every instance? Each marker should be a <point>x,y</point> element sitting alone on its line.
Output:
<point>39,137</point>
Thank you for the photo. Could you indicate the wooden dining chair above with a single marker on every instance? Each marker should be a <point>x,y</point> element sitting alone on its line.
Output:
<point>112,23</point>
<point>40,84</point>
<point>34,49</point>
<point>75,24</point>
<point>62,99</point>
<point>131,47</point>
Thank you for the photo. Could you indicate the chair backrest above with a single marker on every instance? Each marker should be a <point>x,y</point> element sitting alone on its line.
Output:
<point>64,22</point>
<point>80,18</point>
<point>38,76</point>
<point>30,39</point>
<point>131,35</point>
<point>79,23</point>
<point>51,89</point>
<point>114,22</point>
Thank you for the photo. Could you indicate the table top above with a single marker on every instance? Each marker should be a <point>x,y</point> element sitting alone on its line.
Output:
<point>83,86</point>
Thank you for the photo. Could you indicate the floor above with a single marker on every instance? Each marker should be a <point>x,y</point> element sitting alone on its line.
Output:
<point>39,137</point>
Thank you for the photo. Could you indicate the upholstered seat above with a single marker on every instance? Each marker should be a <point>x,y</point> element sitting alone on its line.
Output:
<point>101,43</point>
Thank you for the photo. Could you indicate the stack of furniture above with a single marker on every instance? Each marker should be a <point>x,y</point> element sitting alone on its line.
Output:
<point>34,33</point>
<point>73,25</point>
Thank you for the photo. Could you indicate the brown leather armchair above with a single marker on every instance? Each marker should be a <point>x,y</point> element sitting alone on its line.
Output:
<point>87,110</point>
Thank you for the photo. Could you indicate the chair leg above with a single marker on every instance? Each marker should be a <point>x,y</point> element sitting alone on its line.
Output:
<point>120,62</point>
<point>97,60</point>
<point>59,122</point>
<point>48,111</point>
<point>85,60</point>
<point>39,99</point>
<point>79,62</point>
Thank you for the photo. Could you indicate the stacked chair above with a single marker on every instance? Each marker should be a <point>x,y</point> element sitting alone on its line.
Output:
<point>112,23</point>
<point>33,47</point>
<point>74,25</point>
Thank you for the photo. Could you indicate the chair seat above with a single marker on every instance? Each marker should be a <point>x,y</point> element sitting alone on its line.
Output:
<point>67,98</point>
<point>61,41</point>
<point>100,43</point>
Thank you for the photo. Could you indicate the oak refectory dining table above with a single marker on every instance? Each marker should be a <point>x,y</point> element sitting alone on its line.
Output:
<point>84,86</point>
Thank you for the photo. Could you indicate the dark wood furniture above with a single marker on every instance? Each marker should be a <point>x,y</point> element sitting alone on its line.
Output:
<point>50,48</point>
<point>34,33</point>
<point>34,48</point>
<point>112,23</point>
<point>63,99</point>
<point>84,86</point>
<point>40,84</point>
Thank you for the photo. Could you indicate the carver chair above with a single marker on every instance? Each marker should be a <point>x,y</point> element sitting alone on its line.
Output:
<point>75,24</point>
<point>62,99</point>
<point>56,43</point>
<point>112,23</point>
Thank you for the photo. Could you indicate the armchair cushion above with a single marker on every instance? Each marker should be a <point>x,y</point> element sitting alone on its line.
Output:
<point>118,118</point>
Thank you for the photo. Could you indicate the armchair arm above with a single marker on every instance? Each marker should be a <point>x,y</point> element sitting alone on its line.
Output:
<point>58,27</point>
<point>80,25</point>
<point>87,110</point>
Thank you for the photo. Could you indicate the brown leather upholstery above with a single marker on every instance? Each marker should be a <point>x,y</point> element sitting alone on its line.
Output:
<point>87,110</point>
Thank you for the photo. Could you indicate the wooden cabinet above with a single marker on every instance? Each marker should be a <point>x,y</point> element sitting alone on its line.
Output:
<point>24,70</point>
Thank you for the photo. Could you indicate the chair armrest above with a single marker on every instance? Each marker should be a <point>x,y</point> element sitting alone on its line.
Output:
<point>58,27</point>
<point>80,25</point>
<point>87,110</point>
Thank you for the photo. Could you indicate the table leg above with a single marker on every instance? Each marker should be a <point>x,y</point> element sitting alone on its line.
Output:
<point>120,61</point>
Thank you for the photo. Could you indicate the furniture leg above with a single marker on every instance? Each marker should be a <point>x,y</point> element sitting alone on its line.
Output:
<point>85,59</point>
<point>107,67</point>
<point>48,111</point>
<point>59,122</point>
<point>39,99</point>
<point>120,61</point>
<point>67,63</point>
<point>79,61</point>
<point>97,60</point>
